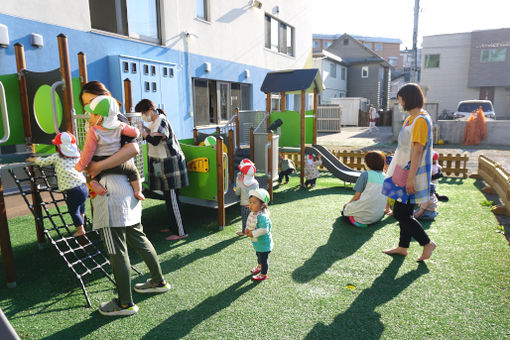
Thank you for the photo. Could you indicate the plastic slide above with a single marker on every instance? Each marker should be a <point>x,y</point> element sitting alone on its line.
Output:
<point>333,164</point>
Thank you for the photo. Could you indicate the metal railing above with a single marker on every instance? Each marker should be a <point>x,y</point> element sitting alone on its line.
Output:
<point>5,115</point>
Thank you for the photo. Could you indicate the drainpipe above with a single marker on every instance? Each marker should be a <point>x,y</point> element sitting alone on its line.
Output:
<point>188,71</point>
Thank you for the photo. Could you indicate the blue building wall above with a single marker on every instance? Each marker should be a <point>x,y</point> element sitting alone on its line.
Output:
<point>99,47</point>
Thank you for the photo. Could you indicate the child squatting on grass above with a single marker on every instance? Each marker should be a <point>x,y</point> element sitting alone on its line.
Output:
<point>104,139</point>
<point>258,228</point>
<point>368,203</point>
<point>70,181</point>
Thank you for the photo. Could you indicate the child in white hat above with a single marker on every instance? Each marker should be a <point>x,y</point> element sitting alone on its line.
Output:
<point>245,182</point>
<point>103,140</point>
<point>258,228</point>
<point>70,181</point>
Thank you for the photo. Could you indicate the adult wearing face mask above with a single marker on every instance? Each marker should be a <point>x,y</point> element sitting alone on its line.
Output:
<point>166,163</point>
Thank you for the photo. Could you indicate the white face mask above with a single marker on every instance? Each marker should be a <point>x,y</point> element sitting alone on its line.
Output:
<point>146,118</point>
<point>401,108</point>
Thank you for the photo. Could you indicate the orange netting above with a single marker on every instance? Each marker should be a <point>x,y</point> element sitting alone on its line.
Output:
<point>476,128</point>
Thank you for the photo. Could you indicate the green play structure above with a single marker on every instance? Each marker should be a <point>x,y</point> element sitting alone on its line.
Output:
<point>291,125</point>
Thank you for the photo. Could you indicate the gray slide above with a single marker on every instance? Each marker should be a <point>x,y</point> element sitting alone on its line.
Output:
<point>333,164</point>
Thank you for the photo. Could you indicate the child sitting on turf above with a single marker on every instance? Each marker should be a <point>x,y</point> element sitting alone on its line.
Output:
<point>391,202</point>
<point>311,170</point>
<point>70,181</point>
<point>103,140</point>
<point>287,167</point>
<point>437,174</point>
<point>428,210</point>
<point>368,203</point>
<point>258,228</point>
<point>245,182</point>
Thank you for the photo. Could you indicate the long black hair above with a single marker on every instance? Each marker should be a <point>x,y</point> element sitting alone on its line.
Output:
<point>146,105</point>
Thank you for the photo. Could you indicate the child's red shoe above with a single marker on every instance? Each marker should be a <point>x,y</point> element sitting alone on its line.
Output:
<point>256,270</point>
<point>259,277</point>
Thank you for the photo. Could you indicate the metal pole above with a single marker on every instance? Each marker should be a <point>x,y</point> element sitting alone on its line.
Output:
<point>415,40</point>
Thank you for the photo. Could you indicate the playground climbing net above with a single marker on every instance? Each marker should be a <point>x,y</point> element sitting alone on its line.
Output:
<point>83,255</point>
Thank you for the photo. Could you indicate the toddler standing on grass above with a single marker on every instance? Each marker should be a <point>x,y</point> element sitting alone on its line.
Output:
<point>245,182</point>
<point>258,228</point>
<point>70,181</point>
<point>312,170</point>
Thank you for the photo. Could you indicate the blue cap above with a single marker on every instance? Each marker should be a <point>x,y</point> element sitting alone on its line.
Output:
<point>388,159</point>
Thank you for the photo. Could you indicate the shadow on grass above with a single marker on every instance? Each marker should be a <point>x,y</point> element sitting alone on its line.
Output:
<point>181,323</point>
<point>360,320</point>
<point>343,241</point>
<point>295,193</point>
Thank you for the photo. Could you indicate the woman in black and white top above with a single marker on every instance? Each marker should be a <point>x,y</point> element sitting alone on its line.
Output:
<point>166,163</point>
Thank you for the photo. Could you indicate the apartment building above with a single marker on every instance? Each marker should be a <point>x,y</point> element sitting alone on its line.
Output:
<point>196,59</point>
<point>472,65</point>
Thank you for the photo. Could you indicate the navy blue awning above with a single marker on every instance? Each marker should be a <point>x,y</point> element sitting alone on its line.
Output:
<point>292,81</point>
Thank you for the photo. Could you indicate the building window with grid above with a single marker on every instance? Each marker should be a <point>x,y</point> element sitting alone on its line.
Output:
<point>332,70</point>
<point>137,19</point>
<point>493,55</point>
<point>279,36</point>
<point>378,47</point>
<point>203,10</point>
<point>343,73</point>
<point>432,61</point>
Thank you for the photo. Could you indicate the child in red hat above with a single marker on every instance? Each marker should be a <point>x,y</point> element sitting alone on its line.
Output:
<point>70,181</point>
<point>245,182</point>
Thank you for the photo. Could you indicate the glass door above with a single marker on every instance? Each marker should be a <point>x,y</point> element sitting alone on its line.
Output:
<point>224,100</point>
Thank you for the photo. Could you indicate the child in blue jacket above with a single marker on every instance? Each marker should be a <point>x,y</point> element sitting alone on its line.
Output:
<point>258,228</point>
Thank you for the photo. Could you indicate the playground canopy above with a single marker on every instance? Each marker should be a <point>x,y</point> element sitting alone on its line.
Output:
<point>293,81</point>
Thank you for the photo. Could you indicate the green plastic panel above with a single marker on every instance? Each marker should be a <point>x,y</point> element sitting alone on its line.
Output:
<point>291,127</point>
<point>10,82</point>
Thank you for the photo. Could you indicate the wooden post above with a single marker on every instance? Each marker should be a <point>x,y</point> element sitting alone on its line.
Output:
<point>82,65</point>
<point>65,71</point>
<point>220,182</point>
<point>268,109</point>
<point>195,136</point>
<point>238,136</point>
<point>19,50</point>
<point>283,103</point>
<point>5,243</point>
<point>270,165</point>
<point>128,96</point>
<point>231,155</point>
<point>252,145</point>
<point>302,151</point>
<point>315,104</point>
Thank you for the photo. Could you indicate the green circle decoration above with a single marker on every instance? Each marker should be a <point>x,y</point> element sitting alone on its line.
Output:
<point>43,109</point>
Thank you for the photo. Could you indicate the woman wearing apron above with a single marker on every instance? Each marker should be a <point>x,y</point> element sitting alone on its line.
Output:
<point>415,151</point>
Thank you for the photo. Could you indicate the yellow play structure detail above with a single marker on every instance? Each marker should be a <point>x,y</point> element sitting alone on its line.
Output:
<point>200,164</point>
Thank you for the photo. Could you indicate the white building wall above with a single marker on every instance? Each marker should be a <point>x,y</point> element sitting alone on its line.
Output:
<point>447,84</point>
<point>502,103</point>
<point>68,13</point>
<point>333,87</point>
<point>235,31</point>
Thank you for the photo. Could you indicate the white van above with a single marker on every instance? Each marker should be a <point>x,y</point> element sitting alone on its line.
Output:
<point>465,107</point>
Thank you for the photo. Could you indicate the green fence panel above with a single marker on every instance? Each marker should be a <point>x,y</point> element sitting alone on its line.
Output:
<point>291,127</point>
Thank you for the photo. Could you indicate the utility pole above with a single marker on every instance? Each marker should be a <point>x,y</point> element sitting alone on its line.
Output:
<point>414,72</point>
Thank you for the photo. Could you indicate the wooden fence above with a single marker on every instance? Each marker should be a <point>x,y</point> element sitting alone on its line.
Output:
<point>498,181</point>
<point>453,165</point>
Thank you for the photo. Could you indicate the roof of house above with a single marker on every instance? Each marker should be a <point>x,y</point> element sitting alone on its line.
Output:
<point>359,37</point>
<point>290,81</point>
<point>375,57</point>
<point>328,55</point>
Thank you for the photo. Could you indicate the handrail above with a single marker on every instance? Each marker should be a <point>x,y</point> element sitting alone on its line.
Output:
<point>54,103</point>
<point>5,115</point>
<point>266,154</point>
<point>225,169</point>
<point>261,122</point>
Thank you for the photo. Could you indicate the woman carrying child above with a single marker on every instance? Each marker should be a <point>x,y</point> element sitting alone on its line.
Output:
<point>166,163</point>
<point>70,181</point>
<point>258,228</point>
<point>118,218</point>
<point>368,203</point>
<point>414,150</point>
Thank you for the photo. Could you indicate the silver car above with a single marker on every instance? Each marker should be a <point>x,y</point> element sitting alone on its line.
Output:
<point>465,107</point>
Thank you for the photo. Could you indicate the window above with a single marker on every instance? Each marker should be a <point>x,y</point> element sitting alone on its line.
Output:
<point>125,66</point>
<point>279,36</point>
<point>154,87</point>
<point>378,47</point>
<point>138,19</point>
<point>133,67</point>
<point>147,86</point>
<point>203,9</point>
<point>145,69</point>
<point>165,72</point>
<point>332,70</point>
<point>346,41</point>
<point>327,44</point>
<point>364,72</point>
<point>275,102</point>
<point>343,73</point>
<point>431,60</point>
<point>153,70</point>
<point>393,61</point>
<point>315,44</point>
<point>493,55</point>
<point>214,101</point>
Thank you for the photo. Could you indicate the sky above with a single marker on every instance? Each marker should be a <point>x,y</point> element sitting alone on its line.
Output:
<point>395,18</point>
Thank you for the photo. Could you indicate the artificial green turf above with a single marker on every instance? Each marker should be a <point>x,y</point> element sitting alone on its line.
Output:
<point>461,292</point>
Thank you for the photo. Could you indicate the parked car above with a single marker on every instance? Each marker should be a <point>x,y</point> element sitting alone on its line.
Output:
<point>465,107</point>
